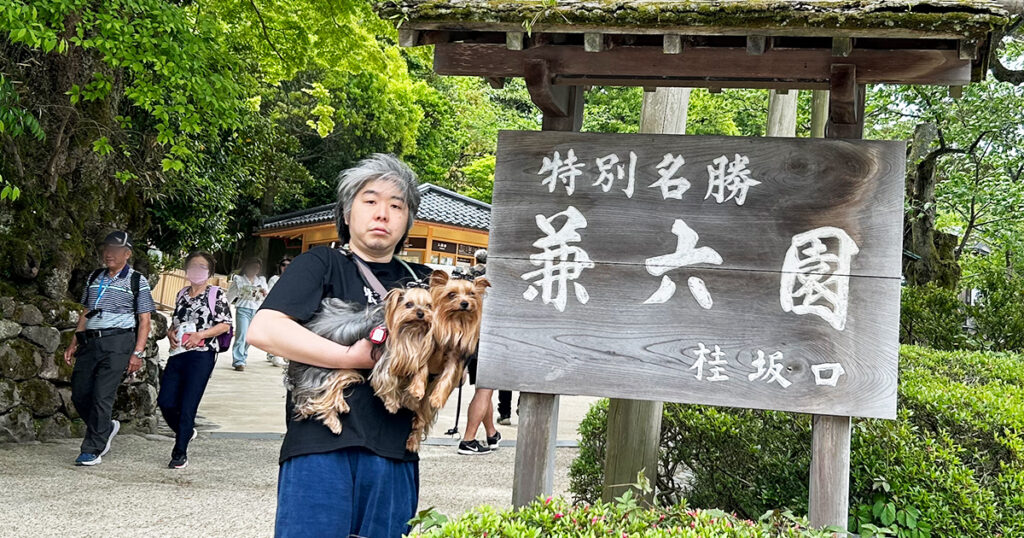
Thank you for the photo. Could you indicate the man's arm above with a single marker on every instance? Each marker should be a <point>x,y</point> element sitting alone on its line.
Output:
<point>135,362</point>
<point>69,353</point>
<point>279,334</point>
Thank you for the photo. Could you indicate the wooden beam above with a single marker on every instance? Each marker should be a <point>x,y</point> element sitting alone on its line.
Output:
<point>535,447</point>
<point>756,44</point>
<point>672,44</point>
<point>846,103</point>
<point>593,42</point>
<point>702,66</point>
<point>542,93</point>
<point>842,46</point>
<point>408,38</point>
<point>514,40</point>
<point>829,494</point>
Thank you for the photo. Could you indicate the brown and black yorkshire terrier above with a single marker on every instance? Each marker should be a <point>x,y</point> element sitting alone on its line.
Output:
<point>399,377</point>
<point>456,330</point>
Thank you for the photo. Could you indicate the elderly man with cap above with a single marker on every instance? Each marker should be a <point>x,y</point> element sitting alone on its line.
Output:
<point>109,341</point>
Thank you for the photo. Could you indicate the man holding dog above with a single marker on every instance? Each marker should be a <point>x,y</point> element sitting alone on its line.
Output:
<point>362,482</point>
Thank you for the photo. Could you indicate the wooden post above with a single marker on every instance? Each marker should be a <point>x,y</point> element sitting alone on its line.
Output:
<point>538,413</point>
<point>782,113</point>
<point>634,426</point>
<point>819,113</point>
<point>829,493</point>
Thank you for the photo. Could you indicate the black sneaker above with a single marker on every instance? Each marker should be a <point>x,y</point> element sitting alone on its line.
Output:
<point>472,448</point>
<point>178,462</point>
<point>492,442</point>
<point>504,420</point>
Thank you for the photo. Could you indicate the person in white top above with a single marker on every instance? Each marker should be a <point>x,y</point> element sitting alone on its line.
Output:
<point>247,291</point>
<point>281,266</point>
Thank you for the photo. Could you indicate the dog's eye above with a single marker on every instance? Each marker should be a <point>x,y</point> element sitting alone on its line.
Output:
<point>409,304</point>
<point>430,306</point>
<point>451,295</point>
<point>472,294</point>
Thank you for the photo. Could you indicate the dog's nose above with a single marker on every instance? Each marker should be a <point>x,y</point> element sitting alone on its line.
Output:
<point>464,304</point>
<point>419,314</point>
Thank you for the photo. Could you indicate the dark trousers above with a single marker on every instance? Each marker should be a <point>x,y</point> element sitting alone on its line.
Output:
<point>504,403</point>
<point>181,388</point>
<point>347,492</point>
<point>100,364</point>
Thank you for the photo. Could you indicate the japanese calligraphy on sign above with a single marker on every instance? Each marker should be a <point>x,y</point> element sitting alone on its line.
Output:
<point>745,272</point>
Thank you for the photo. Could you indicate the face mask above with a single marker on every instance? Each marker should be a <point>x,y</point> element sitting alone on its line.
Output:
<point>197,275</point>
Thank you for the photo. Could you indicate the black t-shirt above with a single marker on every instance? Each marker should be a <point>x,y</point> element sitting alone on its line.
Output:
<point>325,272</point>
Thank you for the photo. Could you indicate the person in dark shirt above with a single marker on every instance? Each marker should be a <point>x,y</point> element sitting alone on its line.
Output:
<point>362,482</point>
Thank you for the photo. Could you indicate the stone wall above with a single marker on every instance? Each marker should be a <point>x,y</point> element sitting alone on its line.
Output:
<point>35,382</point>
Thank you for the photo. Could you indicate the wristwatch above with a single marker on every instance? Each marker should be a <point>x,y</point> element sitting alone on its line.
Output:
<point>137,354</point>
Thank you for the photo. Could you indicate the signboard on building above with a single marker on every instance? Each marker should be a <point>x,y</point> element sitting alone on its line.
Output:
<point>745,272</point>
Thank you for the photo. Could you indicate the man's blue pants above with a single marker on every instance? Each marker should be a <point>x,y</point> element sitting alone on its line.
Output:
<point>348,492</point>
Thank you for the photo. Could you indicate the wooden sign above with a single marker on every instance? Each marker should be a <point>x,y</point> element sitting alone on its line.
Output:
<point>744,272</point>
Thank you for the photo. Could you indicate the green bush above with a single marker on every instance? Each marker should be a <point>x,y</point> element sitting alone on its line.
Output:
<point>624,518</point>
<point>999,315</point>
<point>951,464</point>
<point>933,316</point>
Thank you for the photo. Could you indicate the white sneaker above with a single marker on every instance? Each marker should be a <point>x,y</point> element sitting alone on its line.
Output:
<point>195,433</point>
<point>278,361</point>
<point>117,428</point>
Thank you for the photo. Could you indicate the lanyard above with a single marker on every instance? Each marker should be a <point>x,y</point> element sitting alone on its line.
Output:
<point>104,284</point>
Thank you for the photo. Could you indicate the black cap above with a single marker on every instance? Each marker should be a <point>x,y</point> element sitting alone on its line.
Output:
<point>117,238</point>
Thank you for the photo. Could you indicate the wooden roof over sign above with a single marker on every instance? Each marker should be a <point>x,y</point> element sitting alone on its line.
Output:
<point>780,44</point>
<point>854,18</point>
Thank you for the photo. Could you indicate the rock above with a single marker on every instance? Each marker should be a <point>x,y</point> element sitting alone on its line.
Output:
<point>55,427</point>
<point>40,396</point>
<point>9,396</point>
<point>62,315</point>
<point>65,400</point>
<point>47,338</point>
<point>19,359</point>
<point>55,368</point>
<point>78,428</point>
<point>7,307</point>
<point>55,284</point>
<point>9,329</point>
<point>17,426</point>
<point>28,314</point>
<point>135,401</point>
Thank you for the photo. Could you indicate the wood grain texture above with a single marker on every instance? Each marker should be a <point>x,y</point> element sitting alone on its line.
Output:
<point>594,348</point>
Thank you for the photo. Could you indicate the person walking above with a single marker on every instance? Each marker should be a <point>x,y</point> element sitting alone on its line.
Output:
<point>363,481</point>
<point>109,341</point>
<point>201,314</point>
<point>247,291</point>
<point>281,266</point>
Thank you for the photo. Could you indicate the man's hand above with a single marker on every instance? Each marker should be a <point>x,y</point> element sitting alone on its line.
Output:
<point>69,353</point>
<point>134,363</point>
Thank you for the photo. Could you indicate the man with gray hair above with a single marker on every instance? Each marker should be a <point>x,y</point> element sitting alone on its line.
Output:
<point>362,482</point>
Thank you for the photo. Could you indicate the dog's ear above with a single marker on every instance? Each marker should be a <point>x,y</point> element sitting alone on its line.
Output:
<point>480,283</point>
<point>438,278</point>
<point>394,298</point>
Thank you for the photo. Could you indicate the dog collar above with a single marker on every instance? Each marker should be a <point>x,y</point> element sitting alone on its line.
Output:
<point>378,335</point>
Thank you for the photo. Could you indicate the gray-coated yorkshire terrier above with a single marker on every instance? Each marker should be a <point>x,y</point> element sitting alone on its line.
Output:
<point>399,377</point>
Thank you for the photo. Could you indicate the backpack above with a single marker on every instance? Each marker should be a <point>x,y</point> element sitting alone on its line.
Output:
<point>136,284</point>
<point>223,341</point>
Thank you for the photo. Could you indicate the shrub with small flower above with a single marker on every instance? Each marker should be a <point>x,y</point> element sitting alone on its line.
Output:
<point>624,518</point>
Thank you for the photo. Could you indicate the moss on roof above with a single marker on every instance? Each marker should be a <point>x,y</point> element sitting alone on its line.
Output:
<point>951,17</point>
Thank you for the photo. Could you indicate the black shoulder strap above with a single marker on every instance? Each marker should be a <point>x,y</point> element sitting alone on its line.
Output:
<point>92,278</point>
<point>136,284</point>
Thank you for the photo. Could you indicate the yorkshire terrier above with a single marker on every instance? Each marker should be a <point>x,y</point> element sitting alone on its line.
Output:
<point>399,377</point>
<point>456,329</point>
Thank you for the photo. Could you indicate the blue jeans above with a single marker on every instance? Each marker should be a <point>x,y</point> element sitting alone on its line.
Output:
<point>240,351</point>
<point>348,492</point>
<point>181,388</point>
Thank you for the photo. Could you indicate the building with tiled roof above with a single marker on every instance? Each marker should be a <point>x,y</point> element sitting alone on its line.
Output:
<point>449,227</point>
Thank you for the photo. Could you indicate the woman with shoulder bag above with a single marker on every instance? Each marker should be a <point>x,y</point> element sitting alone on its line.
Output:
<point>200,328</point>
